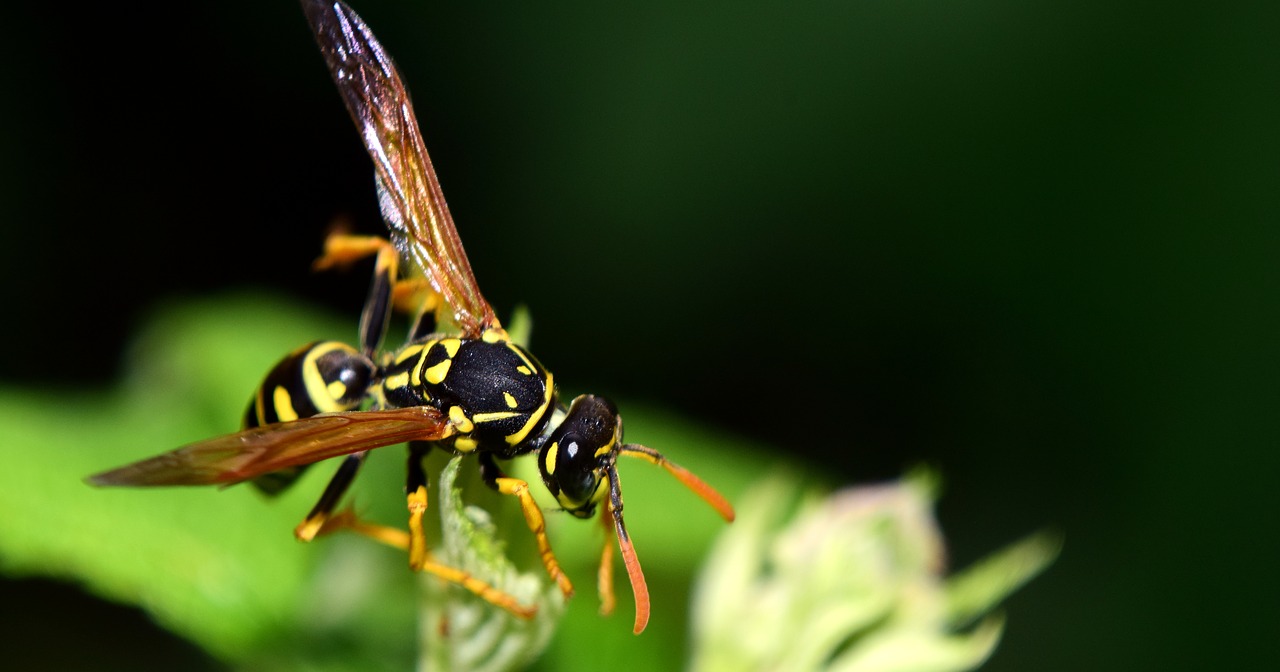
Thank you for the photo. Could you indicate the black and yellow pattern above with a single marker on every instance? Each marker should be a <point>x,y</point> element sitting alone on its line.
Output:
<point>320,377</point>
<point>466,387</point>
<point>494,392</point>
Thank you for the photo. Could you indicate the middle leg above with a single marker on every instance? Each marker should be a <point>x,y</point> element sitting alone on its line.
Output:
<point>496,479</point>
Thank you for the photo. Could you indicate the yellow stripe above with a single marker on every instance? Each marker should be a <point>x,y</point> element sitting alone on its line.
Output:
<point>527,364</point>
<point>552,450</point>
<point>436,374</point>
<point>606,448</point>
<point>397,381</point>
<point>459,419</point>
<point>313,382</point>
<point>283,404</point>
<point>336,389</point>
<point>518,436</point>
<point>409,352</point>
<point>490,417</point>
<point>422,361</point>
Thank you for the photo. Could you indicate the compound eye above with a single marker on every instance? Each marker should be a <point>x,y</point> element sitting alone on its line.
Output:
<point>575,471</point>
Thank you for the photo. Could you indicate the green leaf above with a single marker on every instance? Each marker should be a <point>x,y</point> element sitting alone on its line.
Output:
<point>221,567</point>
<point>459,631</point>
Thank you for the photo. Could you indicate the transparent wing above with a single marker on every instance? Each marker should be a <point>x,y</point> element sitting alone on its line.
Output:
<point>408,191</point>
<point>244,455</point>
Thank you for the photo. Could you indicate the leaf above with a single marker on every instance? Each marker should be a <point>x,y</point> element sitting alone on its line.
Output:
<point>459,631</point>
<point>221,567</point>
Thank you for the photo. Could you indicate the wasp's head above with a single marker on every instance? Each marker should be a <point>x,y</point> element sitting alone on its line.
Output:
<point>577,456</point>
<point>578,463</point>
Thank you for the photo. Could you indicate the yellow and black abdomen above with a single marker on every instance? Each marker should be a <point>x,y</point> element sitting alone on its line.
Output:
<point>320,377</point>
<point>495,393</point>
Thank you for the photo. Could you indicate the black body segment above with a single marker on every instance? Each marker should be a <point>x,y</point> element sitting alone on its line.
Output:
<point>497,395</point>
<point>320,377</point>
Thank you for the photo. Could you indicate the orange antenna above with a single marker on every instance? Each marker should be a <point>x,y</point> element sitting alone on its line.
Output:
<point>697,485</point>
<point>639,587</point>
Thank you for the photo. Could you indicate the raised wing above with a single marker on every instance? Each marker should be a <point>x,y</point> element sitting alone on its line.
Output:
<point>244,455</point>
<point>408,192</point>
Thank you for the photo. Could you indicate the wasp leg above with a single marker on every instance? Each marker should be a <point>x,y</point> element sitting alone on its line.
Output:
<point>416,542</point>
<point>413,296</point>
<point>312,524</point>
<point>499,481</point>
<point>416,298</point>
<point>604,578</point>
<point>416,498</point>
<point>347,520</point>
<point>322,520</point>
<point>341,250</point>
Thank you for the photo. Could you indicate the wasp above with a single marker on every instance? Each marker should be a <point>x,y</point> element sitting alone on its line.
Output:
<point>469,389</point>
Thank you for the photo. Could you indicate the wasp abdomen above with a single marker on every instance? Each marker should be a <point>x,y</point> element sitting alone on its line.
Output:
<point>320,377</point>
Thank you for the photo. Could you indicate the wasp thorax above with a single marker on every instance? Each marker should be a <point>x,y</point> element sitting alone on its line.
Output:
<point>576,454</point>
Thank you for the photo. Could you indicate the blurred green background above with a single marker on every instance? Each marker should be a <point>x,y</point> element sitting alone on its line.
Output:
<point>1033,245</point>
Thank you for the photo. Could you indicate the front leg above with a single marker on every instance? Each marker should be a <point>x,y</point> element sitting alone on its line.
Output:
<point>420,559</point>
<point>494,478</point>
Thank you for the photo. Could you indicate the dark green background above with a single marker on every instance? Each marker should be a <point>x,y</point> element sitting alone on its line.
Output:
<point>1032,244</point>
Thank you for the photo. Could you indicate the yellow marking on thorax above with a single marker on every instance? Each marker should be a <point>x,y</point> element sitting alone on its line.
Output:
<point>422,360</point>
<point>528,367</point>
<point>495,335</point>
<point>451,346</point>
<point>490,417</point>
<point>460,420</point>
<point>520,434</point>
<point>511,400</point>
<point>436,374</point>
<point>283,404</point>
<point>465,444</point>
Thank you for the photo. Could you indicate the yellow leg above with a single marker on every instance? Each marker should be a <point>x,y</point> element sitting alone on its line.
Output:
<point>347,520</point>
<point>411,296</point>
<point>318,518</point>
<point>310,527</point>
<point>342,249</point>
<point>533,517</point>
<point>414,296</point>
<point>414,541</point>
<point>418,553</point>
<point>420,560</point>
<point>604,578</point>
